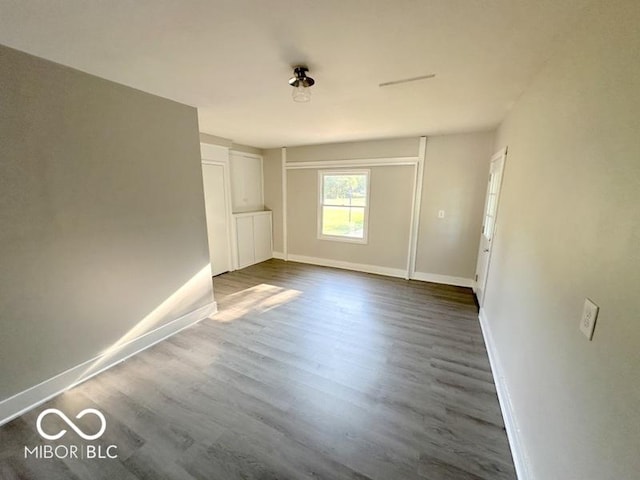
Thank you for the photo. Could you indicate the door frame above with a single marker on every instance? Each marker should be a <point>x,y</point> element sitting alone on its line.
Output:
<point>499,156</point>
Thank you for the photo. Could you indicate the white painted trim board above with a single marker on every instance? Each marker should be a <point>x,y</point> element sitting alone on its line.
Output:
<point>520,458</point>
<point>283,164</point>
<point>34,396</point>
<point>416,206</point>
<point>353,163</point>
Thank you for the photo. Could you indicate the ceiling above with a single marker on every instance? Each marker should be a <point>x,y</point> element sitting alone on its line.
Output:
<point>232,59</point>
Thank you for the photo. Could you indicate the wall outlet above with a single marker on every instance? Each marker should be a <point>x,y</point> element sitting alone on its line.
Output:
<point>440,213</point>
<point>589,316</point>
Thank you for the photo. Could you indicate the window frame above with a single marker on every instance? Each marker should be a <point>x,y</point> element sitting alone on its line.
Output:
<point>365,225</point>
<point>491,207</point>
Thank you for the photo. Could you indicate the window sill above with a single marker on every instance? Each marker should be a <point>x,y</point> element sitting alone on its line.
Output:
<point>335,238</point>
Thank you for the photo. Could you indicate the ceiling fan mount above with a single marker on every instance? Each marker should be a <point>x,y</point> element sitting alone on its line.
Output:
<point>300,77</point>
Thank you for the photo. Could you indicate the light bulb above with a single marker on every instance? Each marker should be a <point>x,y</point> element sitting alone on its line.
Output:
<point>301,93</point>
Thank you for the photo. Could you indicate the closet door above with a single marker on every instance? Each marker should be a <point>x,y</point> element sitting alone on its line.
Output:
<point>215,199</point>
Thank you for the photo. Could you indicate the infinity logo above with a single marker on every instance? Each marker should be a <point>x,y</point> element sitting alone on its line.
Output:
<point>71,424</point>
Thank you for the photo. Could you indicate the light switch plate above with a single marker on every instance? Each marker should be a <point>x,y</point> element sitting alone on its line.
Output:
<point>440,213</point>
<point>589,316</point>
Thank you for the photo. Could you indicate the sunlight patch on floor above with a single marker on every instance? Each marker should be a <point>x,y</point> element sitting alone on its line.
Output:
<point>258,299</point>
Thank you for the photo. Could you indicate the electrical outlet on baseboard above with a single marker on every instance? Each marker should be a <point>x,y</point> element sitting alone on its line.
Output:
<point>589,316</point>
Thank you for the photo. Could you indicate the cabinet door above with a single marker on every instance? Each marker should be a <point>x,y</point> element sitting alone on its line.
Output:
<point>262,237</point>
<point>244,234</point>
<point>246,183</point>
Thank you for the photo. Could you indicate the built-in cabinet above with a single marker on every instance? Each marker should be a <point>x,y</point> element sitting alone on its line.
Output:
<point>253,236</point>
<point>252,224</point>
<point>238,227</point>
<point>246,182</point>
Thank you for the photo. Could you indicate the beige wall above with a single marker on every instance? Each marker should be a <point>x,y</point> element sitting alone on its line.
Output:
<point>102,216</point>
<point>225,142</point>
<point>215,140</point>
<point>389,217</point>
<point>398,147</point>
<point>569,228</point>
<point>238,147</point>
<point>272,171</point>
<point>393,147</point>
<point>455,180</point>
<point>390,204</point>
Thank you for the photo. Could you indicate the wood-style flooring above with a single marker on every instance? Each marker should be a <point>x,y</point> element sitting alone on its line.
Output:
<point>305,373</point>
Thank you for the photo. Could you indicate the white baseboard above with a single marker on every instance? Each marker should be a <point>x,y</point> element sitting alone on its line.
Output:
<point>445,279</point>
<point>30,398</point>
<point>358,267</point>
<point>388,271</point>
<point>520,459</point>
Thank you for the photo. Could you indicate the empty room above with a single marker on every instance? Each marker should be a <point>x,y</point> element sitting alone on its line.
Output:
<point>320,240</point>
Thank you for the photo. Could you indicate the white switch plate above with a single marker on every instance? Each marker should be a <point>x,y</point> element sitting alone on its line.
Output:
<point>589,316</point>
<point>440,213</point>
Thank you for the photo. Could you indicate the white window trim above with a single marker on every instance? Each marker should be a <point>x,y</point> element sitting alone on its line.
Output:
<point>365,227</point>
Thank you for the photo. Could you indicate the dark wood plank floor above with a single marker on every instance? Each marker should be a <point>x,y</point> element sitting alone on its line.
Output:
<point>306,372</point>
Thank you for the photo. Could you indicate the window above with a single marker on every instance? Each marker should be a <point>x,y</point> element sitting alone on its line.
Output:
<point>491,206</point>
<point>344,205</point>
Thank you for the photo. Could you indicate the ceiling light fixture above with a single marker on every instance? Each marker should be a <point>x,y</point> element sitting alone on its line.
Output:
<point>301,83</point>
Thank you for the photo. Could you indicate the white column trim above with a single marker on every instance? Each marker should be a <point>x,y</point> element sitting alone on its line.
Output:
<point>285,248</point>
<point>415,208</point>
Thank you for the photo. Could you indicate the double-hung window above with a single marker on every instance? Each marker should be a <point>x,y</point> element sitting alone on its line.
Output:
<point>343,207</point>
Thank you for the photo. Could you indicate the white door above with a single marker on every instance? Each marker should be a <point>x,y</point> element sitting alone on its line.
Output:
<point>489,222</point>
<point>215,200</point>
